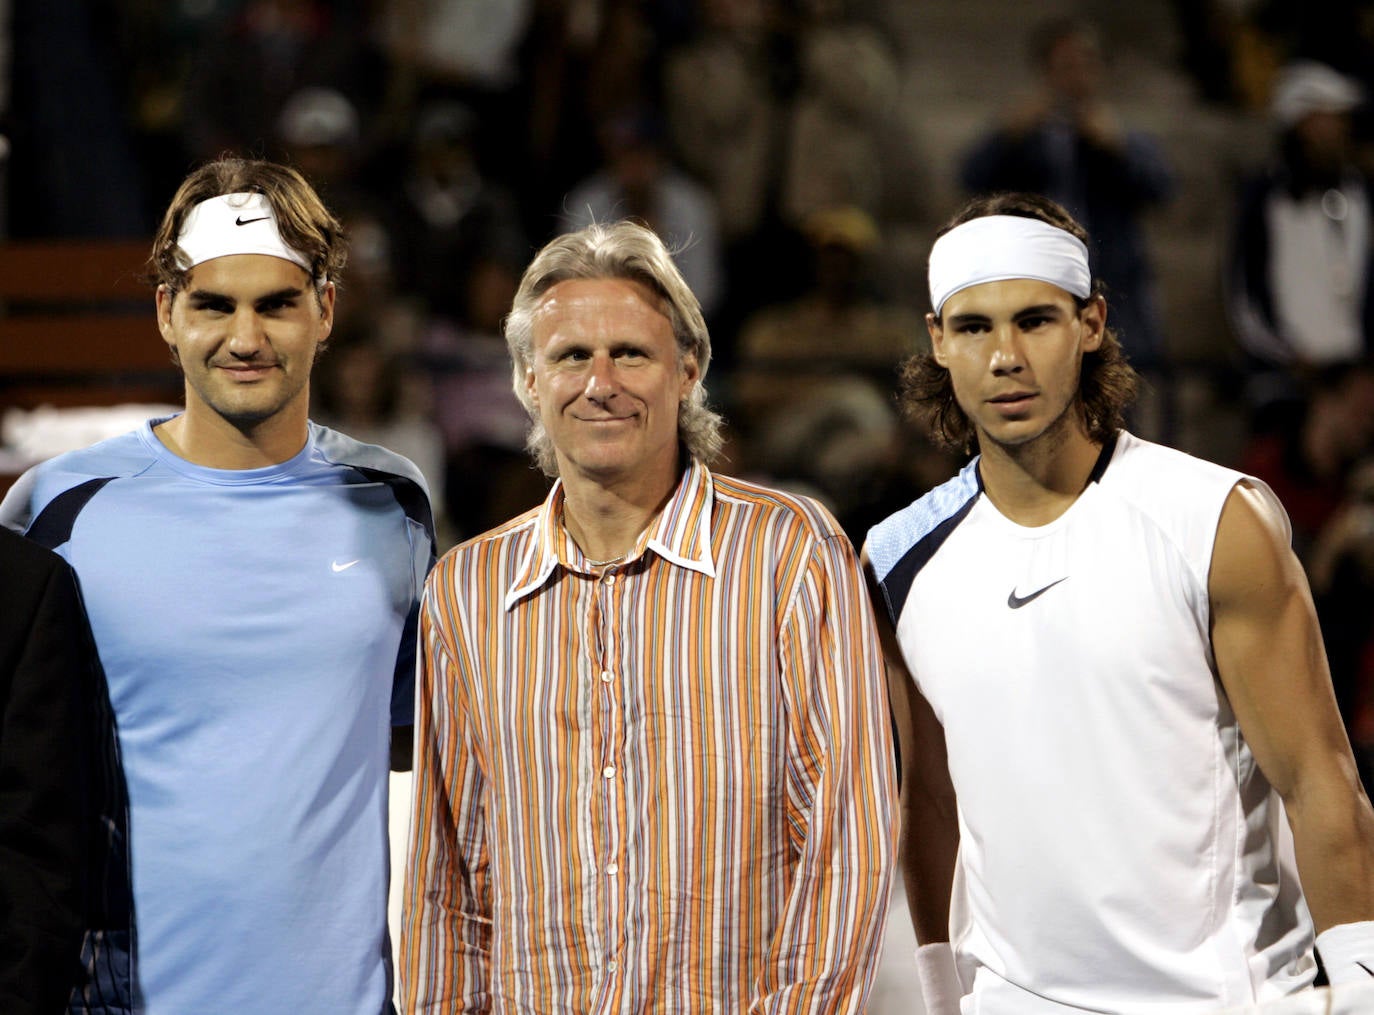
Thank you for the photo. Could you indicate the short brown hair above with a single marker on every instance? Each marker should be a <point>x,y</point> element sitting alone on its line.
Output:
<point>304,222</point>
<point>1106,386</point>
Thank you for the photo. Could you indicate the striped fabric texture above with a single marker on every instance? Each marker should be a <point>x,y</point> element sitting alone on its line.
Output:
<point>667,787</point>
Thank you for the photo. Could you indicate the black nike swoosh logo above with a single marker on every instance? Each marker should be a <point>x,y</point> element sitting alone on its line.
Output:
<point>1364,967</point>
<point>243,221</point>
<point>1016,602</point>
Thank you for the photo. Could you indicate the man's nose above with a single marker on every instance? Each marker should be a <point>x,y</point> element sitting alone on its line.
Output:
<point>601,379</point>
<point>246,337</point>
<point>1007,354</point>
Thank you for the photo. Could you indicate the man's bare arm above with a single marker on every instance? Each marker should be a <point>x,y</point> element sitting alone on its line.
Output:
<point>930,829</point>
<point>1273,666</point>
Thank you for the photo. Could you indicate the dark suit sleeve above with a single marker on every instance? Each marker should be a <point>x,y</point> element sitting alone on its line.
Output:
<point>46,661</point>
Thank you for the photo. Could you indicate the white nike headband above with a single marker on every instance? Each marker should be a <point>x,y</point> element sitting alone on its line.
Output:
<point>234,224</point>
<point>1000,247</point>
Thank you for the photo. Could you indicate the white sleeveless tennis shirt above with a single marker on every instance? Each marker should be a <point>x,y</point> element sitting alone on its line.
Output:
<point>1120,849</point>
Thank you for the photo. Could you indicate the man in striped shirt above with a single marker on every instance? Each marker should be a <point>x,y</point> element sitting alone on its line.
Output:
<point>655,771</point>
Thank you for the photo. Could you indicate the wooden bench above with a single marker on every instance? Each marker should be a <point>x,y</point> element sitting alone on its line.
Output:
<point>78,327</point>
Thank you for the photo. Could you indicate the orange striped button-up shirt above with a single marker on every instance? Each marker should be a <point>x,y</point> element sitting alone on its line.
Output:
<point>668,787</point>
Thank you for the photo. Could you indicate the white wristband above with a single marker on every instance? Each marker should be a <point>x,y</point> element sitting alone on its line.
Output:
<point>939,978</point>
<point>1347,952</point>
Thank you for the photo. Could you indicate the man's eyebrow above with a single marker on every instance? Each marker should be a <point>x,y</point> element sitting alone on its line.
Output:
<point>205,295</point>
<point>287,293</point>
<point>1040,310</point>
<point>209,295</point>
<point>957,319</point>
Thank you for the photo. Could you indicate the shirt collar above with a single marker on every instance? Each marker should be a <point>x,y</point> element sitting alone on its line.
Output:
<point>680,534</point>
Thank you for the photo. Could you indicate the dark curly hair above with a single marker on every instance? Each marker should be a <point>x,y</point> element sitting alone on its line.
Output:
<point>1106,387</point>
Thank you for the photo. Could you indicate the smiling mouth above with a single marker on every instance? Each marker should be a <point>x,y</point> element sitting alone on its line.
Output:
<point>255,372</point>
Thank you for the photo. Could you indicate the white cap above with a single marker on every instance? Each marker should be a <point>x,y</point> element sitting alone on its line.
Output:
<point>1306,86</point>
<point>318,116</point>
<point>234,224</point>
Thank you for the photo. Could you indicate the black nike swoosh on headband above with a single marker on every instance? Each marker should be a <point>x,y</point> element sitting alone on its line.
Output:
<point>243,221</point>
<point>1364,967</point>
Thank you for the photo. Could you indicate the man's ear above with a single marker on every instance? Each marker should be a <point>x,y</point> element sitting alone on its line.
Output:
<point>691,373</point>
<point>1094,319</point>
<point>937,338</point>
<point>164,298</point>
<point>531,391</point>
<point>328,294</point>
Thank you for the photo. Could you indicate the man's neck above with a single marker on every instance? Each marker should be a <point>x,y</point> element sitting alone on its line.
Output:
<point>1033,484</point>
<point>605,519</point>
<point>209,440</point>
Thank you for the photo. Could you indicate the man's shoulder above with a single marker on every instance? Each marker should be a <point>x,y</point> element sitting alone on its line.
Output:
<point>337,448</point>
<point>896,536</point>
<point>1171,491</point>
<point>349,456</point>
<point>1149,473</point>
<point>767,504</point>
<point>121,455</point>
<point>514,529</point>
<point>114,458</point>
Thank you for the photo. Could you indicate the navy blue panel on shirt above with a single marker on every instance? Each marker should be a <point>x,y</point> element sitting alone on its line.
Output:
<point>897,583</point>
<point>53,526</point>
<point>409,495</point>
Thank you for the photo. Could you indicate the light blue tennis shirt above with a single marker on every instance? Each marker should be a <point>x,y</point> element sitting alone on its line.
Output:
<point>256,630</point>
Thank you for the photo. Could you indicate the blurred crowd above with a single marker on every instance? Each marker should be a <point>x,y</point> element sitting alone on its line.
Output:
<point>762,139</point>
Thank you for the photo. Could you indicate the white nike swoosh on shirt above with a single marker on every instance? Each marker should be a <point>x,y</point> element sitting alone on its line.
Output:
<point>337,567</point>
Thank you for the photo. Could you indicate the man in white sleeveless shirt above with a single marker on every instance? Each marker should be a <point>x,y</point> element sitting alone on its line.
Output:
<point>1120,747</point>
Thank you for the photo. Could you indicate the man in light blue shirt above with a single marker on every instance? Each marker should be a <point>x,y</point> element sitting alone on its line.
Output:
<point>252,581</point>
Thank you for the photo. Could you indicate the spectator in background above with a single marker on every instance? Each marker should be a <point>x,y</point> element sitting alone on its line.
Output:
<point>1307,456</point>
<point>1067,143</point>
<point>447,215</point>
<point>724,107</point>
<point>1338,33</point>
<point>813,374</point>
<point>728,92</point>
<point>1298,270</point>
<point>638,181</point>
<point>480,419</point>
<point>839,325</point>
<point>841,124</point>
<point>583,61</point>
<point>320,134</point>
<point>246,70</point>
<point>377,308</point>
<point>465,44</point>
